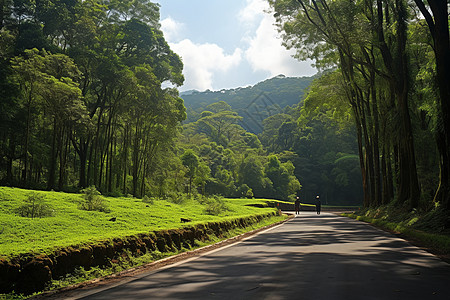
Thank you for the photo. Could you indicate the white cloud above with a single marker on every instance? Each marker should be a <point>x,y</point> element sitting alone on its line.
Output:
<point>202,61</point>
<point>253,11</point>
<point>171,28</point>
<point>266,53</point>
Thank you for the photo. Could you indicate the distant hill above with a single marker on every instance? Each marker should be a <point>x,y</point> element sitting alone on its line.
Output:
<point>253,103</point>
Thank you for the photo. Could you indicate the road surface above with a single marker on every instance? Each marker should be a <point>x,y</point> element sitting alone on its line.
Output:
<point>310,257</point>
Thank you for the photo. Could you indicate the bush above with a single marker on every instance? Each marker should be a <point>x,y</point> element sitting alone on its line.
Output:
<point>176,198</point>
<point>215,205</point>
<point>93,200</point>
<point>148,200</point>
<point>35,207</point>
<point>244,191</point>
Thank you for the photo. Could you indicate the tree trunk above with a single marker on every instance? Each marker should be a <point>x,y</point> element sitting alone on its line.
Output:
<point>409,183</point>
<point>125,158</point>
<point>65,149</point>
<point>375,144</point>
<point>27,135</point>
<point>2,12</point>
<point>396,63</point>
<point>53,154</point>
<point>362,164</point>
<point>135,151</point>
<point>440,33</point>
<point>443,191</point>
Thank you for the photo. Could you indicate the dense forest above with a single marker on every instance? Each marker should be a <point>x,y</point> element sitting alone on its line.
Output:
<point>84,102</point>
<point>254,103</point>
<point>389,65</point>
<point>321,153</point>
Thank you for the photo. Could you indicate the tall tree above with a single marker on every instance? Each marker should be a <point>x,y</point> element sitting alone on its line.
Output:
<point>369,56</point>
<point>437,19</point>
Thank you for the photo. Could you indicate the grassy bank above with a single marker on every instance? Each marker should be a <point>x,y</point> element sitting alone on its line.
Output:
<point>69,225</point>
<point>427,230</point>
<point>49,239</point>
<point>129,261</point>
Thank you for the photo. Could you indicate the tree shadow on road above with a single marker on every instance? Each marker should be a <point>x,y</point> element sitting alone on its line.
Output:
<point>311,257</point>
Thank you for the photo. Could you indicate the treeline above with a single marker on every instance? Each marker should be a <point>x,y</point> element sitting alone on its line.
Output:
<point>227,160</point>
<point>391,62</point>
<point>83,104</point>
<point>82,101</point>
<point>221,157</point>
<point>323,152</point>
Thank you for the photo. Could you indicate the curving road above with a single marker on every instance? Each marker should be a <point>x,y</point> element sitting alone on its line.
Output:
<point>309,257</point>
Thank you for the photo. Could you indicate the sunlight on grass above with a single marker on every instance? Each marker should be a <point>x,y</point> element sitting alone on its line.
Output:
<point>69,225</point>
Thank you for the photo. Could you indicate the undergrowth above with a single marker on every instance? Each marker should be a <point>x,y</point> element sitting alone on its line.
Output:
<point>427,229</point>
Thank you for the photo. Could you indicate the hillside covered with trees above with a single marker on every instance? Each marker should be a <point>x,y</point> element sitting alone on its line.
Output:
<point>253,103</point>
<point>84,104</point>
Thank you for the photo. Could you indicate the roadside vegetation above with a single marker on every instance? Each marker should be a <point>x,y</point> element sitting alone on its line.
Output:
<point>36,226</point>
<point>387,77</point>
<point>70,224</point>
<point>429,230</point>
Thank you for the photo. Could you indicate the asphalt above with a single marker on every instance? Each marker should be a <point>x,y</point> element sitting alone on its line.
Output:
<point>309,257</point>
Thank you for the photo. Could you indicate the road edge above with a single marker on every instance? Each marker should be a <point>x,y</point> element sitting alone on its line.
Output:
<point>109,281</point>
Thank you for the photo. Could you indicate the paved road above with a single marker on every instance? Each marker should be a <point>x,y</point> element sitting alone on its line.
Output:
<point>309,257</point>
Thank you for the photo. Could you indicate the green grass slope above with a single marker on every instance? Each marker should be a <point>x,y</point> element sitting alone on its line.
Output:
<point>69,225</point>
<point>425,229</point>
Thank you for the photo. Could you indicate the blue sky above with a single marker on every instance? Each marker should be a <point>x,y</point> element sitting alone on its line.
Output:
<point>226,44</point>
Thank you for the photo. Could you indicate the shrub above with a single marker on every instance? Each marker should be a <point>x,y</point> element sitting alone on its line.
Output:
<point>215,205</point>
<point>244,191</point>
<point>35,207</point>
<point>148,200</point>
<point>176,198</point>
<point>93,200</point>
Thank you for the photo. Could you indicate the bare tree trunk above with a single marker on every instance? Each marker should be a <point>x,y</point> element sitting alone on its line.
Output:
<point>27,135</point>
<point>53,154</point>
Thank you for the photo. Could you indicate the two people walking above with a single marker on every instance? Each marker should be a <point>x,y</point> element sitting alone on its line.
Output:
<point>297,205</point>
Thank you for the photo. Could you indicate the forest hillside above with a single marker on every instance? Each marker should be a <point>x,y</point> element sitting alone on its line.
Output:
<point>253,103</point>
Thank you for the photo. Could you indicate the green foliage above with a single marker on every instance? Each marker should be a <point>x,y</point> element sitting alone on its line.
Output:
<point>34,207</point>
<point>426,229</point>
<point>377,46</point>
<point>251,173</point>
<point>281,90</point>
<point>177,198</point>
<point>190,160</point>
<point>219,126</point>
<point>93,201</point>
<point>93,89</point>
<point>244,191</point>
<point>214,205</point>
<point>71,226</point>
<point>148,200</point>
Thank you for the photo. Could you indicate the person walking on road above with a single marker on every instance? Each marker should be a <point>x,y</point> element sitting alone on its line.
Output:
<point>297,206</point>
<point>318,205</point>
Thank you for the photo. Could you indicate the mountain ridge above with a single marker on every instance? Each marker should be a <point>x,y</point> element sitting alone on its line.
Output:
<point>253,103</point>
